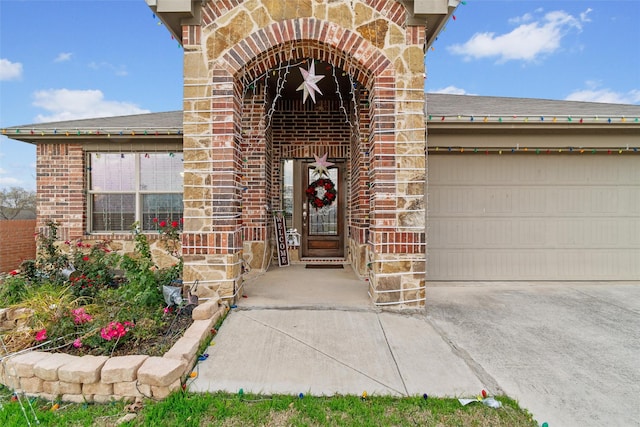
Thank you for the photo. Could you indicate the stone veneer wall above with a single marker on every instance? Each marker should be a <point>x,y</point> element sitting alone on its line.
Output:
<point>237,42</point>
<point>103,379</point>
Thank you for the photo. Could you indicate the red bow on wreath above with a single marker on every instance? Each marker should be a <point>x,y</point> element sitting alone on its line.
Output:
<point>329,193</point>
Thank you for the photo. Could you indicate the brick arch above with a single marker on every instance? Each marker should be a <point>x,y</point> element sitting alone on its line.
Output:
<point>307,38</point>
<point>392,10</point>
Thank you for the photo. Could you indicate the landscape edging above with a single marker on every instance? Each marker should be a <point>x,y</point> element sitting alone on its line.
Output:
<point>127,378</point>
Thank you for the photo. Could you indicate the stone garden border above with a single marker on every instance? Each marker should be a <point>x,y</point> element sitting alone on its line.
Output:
<point>103,379</point>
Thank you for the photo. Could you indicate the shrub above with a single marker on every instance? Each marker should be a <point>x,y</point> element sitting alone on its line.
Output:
<point>94,267</point>
<point>50,261</point>
<point>78,304</point>
<point>13,289</point>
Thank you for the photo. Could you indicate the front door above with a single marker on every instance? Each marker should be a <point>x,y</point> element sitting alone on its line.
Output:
<point>323,207</point>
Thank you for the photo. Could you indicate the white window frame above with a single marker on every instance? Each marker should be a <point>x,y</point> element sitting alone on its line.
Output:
<point>137,192</point>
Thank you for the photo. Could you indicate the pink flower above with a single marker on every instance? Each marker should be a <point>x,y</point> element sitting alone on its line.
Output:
<point>166,310</point>
<point>163,223</point>
<point>115,330</point>
<point>66,242</point>
<point>77,343</point>
<point>79,244</point>
<point>41,335</point>
<point>80,316</point>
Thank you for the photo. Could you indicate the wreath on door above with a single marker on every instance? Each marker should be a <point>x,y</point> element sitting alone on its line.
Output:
<point>321,192</point>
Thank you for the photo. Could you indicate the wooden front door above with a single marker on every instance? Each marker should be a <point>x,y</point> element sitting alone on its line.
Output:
<point>323,210</point>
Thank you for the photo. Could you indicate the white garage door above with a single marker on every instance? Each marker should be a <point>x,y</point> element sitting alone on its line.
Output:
<point>533,217</point>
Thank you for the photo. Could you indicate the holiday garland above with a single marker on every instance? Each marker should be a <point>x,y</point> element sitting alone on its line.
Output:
<point>329,193</point>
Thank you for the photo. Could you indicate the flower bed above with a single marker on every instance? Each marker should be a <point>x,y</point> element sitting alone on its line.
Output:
<point>82,308</point>
<point>86,298</point>
<point>103,379</point>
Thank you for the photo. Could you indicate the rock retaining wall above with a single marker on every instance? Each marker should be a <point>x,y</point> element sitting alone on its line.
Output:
<point>103,379</point>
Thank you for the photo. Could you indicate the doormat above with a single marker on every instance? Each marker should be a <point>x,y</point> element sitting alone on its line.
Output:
<point>324,266</point>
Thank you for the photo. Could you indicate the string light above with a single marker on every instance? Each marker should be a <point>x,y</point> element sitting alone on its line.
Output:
<point>500,118</point>
<point>141,131</point>
<point>525,150</point>
<point>96,132</point>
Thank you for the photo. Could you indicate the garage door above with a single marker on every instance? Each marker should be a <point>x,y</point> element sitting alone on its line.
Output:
<point>533,217</point>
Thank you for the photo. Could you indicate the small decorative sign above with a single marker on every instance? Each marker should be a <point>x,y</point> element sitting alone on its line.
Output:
<point>281,240</point>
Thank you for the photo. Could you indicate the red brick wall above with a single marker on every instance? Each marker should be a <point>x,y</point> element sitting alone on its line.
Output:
<point>300,130</point>
<point>256,169</point>
<point>61,195</point>
<point>18,243</point>
<point>296,131</point>
<point>360,174</point>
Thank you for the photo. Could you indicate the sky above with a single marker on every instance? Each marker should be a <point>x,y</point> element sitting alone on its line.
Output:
<point>67,59</point>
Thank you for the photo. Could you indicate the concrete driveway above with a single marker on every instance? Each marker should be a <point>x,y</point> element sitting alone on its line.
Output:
<point>568,352</point>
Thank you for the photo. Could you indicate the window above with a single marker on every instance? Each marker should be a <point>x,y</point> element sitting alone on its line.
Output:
<point>287,190</point>
<point>129,187</point>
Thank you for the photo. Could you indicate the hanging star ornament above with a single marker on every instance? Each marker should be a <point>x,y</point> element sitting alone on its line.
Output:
<point>309,86</point>
<point>321,164</point>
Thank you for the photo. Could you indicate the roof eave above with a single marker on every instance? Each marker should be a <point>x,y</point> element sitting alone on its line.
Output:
<point>433,14</point>
<point>479,126</point>
<point>176,13</point>
<point>42,137</point>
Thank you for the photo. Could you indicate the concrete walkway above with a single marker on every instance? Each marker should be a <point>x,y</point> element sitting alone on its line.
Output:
<point>569,353</point>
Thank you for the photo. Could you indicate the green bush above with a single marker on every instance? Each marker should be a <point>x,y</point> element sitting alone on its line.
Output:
<point>13,289</point>
<point>78,302</point>
<point>94,267</point>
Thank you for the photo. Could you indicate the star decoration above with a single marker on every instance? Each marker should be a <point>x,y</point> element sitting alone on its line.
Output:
<point>321,164</point>
<point>309,86</point>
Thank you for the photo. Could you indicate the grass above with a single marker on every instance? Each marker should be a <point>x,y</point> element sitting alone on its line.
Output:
<point>223,409</point>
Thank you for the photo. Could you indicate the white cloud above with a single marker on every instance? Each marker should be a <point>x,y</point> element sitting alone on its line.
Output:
<point>9,181</point>
<point>527,42</point>
<point>10,70</point>
<point>605,95</point>
<point>63,56</point>
<point>527,17</point>
<point>451,90</point>
<point>119,70</point>
<point>14,176</point>
<point>584,17</point>
<point>66,104</point>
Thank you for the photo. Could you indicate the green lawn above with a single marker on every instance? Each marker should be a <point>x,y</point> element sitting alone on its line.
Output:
<point>222,409</point>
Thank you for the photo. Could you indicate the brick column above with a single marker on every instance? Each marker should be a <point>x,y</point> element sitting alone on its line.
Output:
<point>359,202</point>
<point>255,182</point>
<point>211,241</point>
<point>397,258</point>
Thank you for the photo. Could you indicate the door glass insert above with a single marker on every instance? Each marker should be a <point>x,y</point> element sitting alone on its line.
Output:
<point>287,191</point>
<point>323,221</point>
